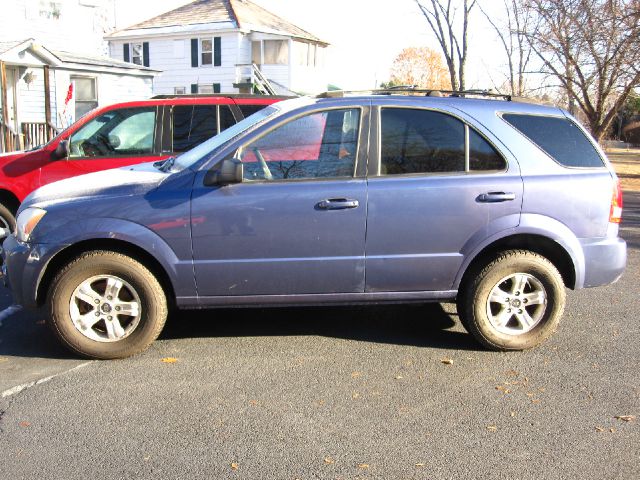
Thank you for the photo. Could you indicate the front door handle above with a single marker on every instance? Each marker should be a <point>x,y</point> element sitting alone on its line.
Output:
<point>495,197</point>
<point>337,204</point>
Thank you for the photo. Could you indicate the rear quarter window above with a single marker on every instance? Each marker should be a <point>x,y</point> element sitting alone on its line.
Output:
<point>559,137</point>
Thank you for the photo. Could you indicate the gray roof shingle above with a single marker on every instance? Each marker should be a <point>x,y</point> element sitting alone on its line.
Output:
<point>243,13</point>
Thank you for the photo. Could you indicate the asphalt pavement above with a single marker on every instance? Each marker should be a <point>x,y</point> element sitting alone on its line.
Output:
<point>360,392</point>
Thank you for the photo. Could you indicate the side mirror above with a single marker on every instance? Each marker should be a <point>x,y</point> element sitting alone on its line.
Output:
<point>61,151</point>
<point>231,171</point>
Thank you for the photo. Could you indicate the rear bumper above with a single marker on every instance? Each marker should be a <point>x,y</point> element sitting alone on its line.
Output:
<point>605,260</point>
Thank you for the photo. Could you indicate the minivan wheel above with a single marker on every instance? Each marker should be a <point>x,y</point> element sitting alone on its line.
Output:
<point>7,222</point>
<point>106,305</point>
<point>514,302</point>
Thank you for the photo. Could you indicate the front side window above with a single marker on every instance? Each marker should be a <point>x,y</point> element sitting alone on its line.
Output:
<point>123,132</point>
<point>319,145</point>
<point>558,137</point>
<point>192,125</point>
<point>424,141</point>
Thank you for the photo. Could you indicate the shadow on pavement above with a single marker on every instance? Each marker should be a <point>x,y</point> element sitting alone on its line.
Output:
<point>423,325</point>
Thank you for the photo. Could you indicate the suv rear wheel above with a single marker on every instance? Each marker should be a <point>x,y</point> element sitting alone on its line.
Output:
<point>514,302</point>
<point>106,305</point>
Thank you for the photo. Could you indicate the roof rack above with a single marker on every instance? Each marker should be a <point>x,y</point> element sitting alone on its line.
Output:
<point>217,95</point>
<point>412,89</point>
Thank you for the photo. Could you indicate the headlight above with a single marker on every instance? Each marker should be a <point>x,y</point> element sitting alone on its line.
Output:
<point>27,221</point>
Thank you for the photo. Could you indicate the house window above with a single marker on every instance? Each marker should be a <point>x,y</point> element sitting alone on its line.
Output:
<point>206,51</point>
<point>276,52</point>
<point>86,94</point>
<point>136,53</point>
<point>179,90</point>
<point>208,88</point>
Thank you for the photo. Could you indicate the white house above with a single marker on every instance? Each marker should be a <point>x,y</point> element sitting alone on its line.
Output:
<point>66,47</point>
<point>209,46</point>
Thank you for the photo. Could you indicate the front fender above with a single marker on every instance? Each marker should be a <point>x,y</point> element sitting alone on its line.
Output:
<point>530,224</point>
<point>179,271</point>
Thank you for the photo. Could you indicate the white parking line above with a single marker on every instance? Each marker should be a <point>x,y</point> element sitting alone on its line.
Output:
<point>24,386</point>
<point>7,312</point>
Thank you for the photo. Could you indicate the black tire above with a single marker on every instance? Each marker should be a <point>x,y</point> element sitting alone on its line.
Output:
<point>138,286</point>
<point>7,219</point>
<point>502,272</point>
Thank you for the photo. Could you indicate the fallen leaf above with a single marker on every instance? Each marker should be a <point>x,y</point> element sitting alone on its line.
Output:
<point>329,460</point>
<point>447,361</point>
<point>513,373</point>
<point>541,389</point>
<point>355,374</point>
<point>169,360</point>
<point>234,466</point>
<point>399,377</point>
<point>355,395</point>
<point>625,418</point>
<point>421,464</point>
<point>530,394</point>
<point>513,414</point>
<point>25,424</point>
<point>612,430</point>
<point>363,465</point>
<point>536,400</point>
<point>492,428</point>
<point>503,389</point>
<point>599,429</point>
<point>253,402</point>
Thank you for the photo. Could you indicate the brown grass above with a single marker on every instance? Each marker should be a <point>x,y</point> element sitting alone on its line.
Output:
<point>627,165</point>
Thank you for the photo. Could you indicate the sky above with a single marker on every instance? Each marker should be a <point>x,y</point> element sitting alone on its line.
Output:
<point>365,35</point>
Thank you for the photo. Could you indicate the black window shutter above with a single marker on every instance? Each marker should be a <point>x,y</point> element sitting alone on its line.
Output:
<point>194,88</point>
<point>217,51</point>
<point>125,54</point>
<point>194,52</point>
<point>216,88</point>
<point>145,54</point>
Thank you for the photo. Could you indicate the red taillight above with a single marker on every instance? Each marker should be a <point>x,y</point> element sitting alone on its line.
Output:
<point>615,214</point>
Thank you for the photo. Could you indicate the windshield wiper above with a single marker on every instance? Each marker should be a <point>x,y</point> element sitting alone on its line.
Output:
<point>165,165</point>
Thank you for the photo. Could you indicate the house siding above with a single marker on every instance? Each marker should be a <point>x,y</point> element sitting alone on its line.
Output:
<point>172,56</point>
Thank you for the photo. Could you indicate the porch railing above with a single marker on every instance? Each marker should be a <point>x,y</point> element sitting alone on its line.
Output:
<point>31,135</point>
<point>36,134</point>
<point>9,139</point>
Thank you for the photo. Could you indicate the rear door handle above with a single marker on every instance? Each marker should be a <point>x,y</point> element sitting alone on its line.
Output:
<point>337,204</point>
<point>495,197</point>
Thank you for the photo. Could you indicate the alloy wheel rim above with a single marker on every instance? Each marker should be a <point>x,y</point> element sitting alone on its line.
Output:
<point>516,304</point>
<point>105,308</point>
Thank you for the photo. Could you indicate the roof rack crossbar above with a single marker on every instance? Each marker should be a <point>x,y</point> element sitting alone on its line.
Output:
<point>426,92</point>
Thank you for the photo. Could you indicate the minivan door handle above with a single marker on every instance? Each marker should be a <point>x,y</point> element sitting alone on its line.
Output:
<point>495,197</point>
<point>337,204</point>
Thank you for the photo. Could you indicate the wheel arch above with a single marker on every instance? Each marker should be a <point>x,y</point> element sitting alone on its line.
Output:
<point>109,244</point>
<point>559,254</point>
<point>9,200</point>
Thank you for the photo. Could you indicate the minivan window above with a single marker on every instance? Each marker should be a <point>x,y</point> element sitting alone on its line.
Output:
<point>248,110</point>
<point>207,148</point>
<point>122,132</point>
<point>559,137</point>
<point>192,125</point>
<point>482,155</point>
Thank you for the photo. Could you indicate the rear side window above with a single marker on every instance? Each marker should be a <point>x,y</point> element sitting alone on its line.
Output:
<point>192,125</point>
<point>424,141</point>
<point>560,138</point>
<point>248,110</point>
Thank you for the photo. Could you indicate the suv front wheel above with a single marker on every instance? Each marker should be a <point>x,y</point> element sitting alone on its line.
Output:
<point>106,305</point>
<point>514,302</point>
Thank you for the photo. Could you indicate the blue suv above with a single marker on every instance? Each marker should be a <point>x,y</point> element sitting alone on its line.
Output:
<point>338,199</point>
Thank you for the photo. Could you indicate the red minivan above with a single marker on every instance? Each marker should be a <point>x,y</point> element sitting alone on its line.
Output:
<point>120,135</point>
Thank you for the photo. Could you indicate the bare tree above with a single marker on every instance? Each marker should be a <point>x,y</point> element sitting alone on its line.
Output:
<point>592,47</point>
<point>518,19</point>
<point>421,66</point>
<point>441,16</point>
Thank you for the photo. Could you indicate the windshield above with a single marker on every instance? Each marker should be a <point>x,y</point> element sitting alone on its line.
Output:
<point>189,158</point>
